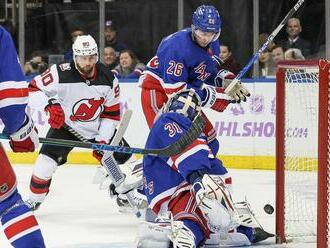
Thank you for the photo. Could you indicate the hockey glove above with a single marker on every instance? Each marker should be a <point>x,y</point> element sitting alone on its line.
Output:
<point>216,98</point>
<point>233,88</point>
<point>223,78</point>
<point>98,154</point>
<point>26,138</point>
<point>237,91</point>
<point>56,114</point>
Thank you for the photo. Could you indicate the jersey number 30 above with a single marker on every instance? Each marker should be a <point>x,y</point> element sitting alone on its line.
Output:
<point>172,128</point>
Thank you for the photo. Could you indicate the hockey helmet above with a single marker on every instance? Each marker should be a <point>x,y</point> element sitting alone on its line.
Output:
<point>85,45</point>
<point>186,102</point>
<point>207,19</point>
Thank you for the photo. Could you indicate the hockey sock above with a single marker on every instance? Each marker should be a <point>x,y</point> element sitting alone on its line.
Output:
<point>20,225</point>
<point>39,188</point>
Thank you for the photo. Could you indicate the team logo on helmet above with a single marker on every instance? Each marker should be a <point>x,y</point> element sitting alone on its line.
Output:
<point>85,44</point>
<point>207,19</point>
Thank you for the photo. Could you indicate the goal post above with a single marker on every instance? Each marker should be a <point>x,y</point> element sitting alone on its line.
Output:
<point>302,152</point>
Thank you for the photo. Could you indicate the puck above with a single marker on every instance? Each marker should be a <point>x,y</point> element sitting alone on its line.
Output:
<point>269,209</point>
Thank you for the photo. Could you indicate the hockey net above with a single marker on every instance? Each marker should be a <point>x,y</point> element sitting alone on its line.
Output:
<point>302,152</point>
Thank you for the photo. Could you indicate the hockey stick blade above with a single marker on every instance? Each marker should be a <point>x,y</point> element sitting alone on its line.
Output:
<point>186,139</point>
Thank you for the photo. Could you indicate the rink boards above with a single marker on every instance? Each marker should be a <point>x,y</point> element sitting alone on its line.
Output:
<point>246,131</point>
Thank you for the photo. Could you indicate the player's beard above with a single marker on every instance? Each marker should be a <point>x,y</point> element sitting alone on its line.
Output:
<point>86,70</point>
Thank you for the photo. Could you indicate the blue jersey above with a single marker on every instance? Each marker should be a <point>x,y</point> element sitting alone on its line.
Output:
<point>163,175</point>
<point>181,63</point>
<point>13,87</point>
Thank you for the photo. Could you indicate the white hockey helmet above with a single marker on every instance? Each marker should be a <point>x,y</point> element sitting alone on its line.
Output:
<point>85,45</point>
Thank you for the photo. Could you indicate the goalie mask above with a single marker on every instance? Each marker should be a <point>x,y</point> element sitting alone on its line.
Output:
<point>185,102</point>
<point>206,19</point>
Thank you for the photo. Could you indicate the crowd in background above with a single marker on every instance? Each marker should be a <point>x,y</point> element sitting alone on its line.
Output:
<point>121,60</point>
<point>125,64</point>
<point>292,48</point>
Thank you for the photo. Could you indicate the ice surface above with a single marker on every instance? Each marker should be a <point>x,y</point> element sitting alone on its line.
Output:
<point>77,214</point>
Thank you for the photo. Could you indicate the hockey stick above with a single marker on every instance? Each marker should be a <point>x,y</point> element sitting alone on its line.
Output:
<point>120,130</point>
<point>108,161</point>
<point>117,177</point>
<point>264,46</point>
<point>184,141</point>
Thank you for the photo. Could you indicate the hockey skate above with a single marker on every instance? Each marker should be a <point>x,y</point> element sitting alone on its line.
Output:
<point>247,218</point>
<point>260,234</point>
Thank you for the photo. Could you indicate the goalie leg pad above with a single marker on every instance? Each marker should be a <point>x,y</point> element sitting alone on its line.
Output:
<point>184,207</point>
<point>245,215</point>
<point>165,234</point>
<point>216,203</point>
<point>152,235</point>
<point>249,225</point>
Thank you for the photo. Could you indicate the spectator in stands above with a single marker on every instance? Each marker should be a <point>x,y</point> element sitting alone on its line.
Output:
<point>111,39</point>
<point>229,62</point>
<point>129,65</point>
<point>34,67</point>
<point>266,65</point>
<point>68,56</point>
<point>110,59</point>
<point>294,40</point>
<point>293,54</point>
<point>277,54</point>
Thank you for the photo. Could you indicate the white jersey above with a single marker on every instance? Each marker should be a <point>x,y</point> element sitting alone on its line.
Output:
<point>91,106</point>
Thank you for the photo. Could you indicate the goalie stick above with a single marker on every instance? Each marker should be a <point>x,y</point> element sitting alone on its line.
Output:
<point>108,161</point>
<point>184,141</point>
<point>264,46</point>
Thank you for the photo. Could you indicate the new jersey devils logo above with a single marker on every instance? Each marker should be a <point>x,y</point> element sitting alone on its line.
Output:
<point>87,110</point>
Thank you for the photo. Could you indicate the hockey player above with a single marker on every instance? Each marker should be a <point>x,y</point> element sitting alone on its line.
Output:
<point>186,59</point>
<point>188,187</point>
<point>83,95</point>
<point>19,224</point>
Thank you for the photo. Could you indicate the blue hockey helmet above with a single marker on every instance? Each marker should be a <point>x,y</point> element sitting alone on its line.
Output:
<point>207,19</point>
<point>185,102</point>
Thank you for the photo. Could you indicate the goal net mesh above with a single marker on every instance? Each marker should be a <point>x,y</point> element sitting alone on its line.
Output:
<point>301,150</point>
